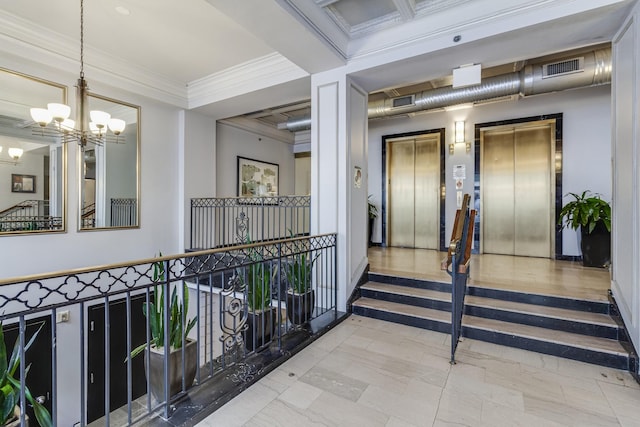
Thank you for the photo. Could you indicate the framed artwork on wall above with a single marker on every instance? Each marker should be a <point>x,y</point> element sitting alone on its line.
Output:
<point>23,183</point>
<point>257,178</point>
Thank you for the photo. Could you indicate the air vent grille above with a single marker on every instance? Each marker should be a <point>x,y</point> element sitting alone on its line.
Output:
<point>403,101</point>
<point>569,66</point>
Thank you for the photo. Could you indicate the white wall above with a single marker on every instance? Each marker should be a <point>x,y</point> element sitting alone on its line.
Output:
<point>626,181</point>
<point>586,144</point>
<point>198,178</point>
<point>233,142</point>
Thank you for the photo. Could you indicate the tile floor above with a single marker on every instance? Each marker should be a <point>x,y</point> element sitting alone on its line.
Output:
<point>367,372</point>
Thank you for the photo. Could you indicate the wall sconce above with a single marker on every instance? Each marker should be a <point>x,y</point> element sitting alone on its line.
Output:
<point>15,153</point>
<point>459,137</point>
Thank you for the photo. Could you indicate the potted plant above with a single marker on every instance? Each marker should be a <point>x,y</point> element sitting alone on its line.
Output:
<point>373,214</point>
<point>300,295</point>
<point>261,316</point>
<point>177,324</point>
<point>593,216</point>
<point>10,386</point>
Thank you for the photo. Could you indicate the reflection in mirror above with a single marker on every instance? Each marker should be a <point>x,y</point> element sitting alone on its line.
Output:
<point>32,160</point>
<point>109,171</point>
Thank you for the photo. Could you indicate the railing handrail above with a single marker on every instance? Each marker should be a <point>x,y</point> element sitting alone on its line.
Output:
<point>25,204</point>
<point>75,271</point>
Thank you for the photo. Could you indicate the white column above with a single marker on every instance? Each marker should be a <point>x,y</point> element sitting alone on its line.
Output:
<point>338,146</point>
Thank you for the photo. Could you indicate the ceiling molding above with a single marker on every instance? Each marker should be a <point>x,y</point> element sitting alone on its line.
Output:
<point>407,8</point>
<point>252,75</point>
<point>24,39</point>
<point>260,129</point>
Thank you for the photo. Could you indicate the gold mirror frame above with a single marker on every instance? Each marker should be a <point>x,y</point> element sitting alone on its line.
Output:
<point>109,178</point>
<point>33,187</point>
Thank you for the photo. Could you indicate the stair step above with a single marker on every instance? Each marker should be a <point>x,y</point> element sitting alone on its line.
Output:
<point>576,321</point>
<point>421,317</point>
<point>597,350</point>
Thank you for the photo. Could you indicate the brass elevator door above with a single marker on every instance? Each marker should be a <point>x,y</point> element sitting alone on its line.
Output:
<point>413,196</point>
<point>517,207</point>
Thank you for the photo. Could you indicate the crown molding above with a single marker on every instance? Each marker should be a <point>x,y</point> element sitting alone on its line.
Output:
<point>23,39</point>
<point>260,73</point>
<point>259,129</point>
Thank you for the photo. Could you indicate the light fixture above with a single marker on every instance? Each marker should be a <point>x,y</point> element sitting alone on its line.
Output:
<point>15,153</point>
<point>459,131</point>
<point>81,129</point>
<point>459,137</point>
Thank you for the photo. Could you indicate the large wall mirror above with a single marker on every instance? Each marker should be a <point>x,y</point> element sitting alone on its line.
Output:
<point>32,159</point>
<point>109,172</point>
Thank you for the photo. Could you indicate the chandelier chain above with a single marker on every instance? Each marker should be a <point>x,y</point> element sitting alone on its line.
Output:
<point>82,39</point>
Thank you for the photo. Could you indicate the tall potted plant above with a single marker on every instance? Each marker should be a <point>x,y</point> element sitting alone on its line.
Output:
<point>300,295</point>
<point>177,324</point>
<point>10,386</point>
<point>261,316</point>
<point>592,215</point>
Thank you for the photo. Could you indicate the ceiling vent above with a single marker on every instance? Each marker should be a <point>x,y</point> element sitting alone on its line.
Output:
<point>404,101</point>
<point>562,68</point>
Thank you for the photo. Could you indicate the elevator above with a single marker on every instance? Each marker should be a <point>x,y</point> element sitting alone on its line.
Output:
<point>517,208</point>
<point>413,175</point>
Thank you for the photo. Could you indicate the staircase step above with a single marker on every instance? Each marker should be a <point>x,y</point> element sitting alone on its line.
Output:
<point>596,350</point>
<point>420,317</point>
<point>410,282</point>
<point>575,321</point>
<point>420,297</point>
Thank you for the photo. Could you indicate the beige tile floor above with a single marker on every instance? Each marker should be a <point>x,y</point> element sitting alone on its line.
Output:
<point>525,274</point>
<point>367,372</point>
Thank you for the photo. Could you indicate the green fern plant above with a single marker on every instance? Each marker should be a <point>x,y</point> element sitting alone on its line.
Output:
<point>177,315</point>
<point>10,386</point>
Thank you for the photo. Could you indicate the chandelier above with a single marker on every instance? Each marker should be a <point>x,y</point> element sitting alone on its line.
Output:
<point>82,130</point>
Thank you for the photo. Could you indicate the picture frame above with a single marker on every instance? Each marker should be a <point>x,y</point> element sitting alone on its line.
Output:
<point>23,183</point>
<point>257,178</point>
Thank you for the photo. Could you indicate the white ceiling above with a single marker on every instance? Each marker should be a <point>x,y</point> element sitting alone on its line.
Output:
<point>229,57</point>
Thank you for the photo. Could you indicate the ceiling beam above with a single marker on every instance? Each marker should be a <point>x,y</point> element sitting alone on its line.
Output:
<point>407,9</point>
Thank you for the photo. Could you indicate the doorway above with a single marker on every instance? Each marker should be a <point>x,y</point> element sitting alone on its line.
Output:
<point>517,208</point>
<point>413,198</point>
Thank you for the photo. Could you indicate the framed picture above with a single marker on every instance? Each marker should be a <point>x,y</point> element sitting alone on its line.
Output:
<point>256,178</point>
<point>23,183</point>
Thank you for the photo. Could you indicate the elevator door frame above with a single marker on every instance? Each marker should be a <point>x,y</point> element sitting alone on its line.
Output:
<point>383,210</point>
<point>555,178</point>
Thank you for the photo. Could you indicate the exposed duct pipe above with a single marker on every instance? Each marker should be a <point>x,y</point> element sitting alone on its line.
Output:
<point>580,70</point>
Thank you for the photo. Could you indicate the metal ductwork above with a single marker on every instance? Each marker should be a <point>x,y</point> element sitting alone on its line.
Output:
<point>580,70</point>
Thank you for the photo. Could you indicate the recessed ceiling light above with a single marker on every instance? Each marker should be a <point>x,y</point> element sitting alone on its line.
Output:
<point>123,11</point>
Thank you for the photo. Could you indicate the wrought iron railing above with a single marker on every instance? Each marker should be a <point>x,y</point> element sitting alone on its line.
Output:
<point>124,212</point>
<point>458,259</point>
<point>29,215</point>
<point>222,286</point>
<point>219,222</point>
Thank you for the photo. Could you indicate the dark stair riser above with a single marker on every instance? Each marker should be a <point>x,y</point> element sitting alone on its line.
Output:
<point>545,347</point>
<point>544,300</point>
<point>406,299</point>
<point>590,329</point>
<point>412,283</point>
<point>403,319</point>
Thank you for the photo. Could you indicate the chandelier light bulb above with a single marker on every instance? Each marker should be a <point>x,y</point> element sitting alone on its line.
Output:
<point>95,129</point>
<point>42,116</point>
<point>68,125</point>
<point>59,112</point>
<point>15,153</point>
<point>100,118</point>
<point>117,126</point>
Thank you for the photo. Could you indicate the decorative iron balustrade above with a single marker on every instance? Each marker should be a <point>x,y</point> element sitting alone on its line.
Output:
<point>124,212</point>
<point>222,287</point>
<point>29,215</point>
<point>219,222</point>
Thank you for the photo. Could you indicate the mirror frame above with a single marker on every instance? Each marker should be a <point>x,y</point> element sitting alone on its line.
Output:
<point>80,158</point>
<point>64,171</point>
